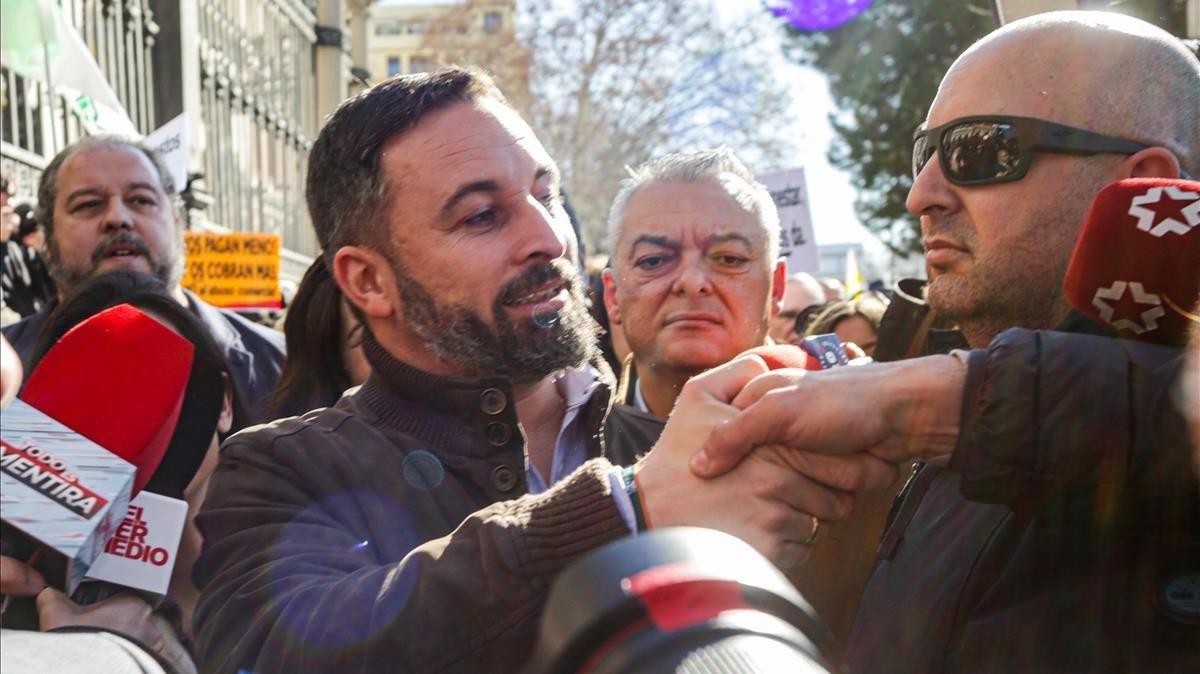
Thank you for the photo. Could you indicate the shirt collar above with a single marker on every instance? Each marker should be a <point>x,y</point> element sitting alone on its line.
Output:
<point>639,401</point>
<point>577,385</point>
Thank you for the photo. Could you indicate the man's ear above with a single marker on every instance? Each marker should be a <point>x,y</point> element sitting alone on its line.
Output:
<point>610,298</point>
<point>366,279</point>
<point>778,286</point>
<point>1153,162</point>
<point>225,419</point>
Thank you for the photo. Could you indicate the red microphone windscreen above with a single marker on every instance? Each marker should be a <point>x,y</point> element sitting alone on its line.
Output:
<point>119,380</point>
<point>1136,265</point>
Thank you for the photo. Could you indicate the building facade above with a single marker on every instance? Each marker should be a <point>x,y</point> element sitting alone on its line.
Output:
<point>1180,17</point>
<point>255,77</point>
<point>413,37</point>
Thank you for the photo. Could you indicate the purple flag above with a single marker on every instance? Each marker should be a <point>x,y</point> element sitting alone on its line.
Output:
<point>817,14</point>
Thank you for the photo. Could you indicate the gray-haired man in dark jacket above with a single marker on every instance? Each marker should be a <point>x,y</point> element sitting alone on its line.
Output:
<point>416,525</point>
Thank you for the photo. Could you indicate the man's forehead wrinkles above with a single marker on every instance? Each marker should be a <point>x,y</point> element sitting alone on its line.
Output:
<point>86,189</point>
<point>438,150</point>
<point>671,211</point>
<point>481,148</point>
<point>92,188</point>
<point>704,236</point>
<point>693,220</point>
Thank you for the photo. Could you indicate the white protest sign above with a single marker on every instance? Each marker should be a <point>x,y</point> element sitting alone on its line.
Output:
<point>142,553</point>
<point>39,42</point>
<point>170,141</point>
<point>796,241</point>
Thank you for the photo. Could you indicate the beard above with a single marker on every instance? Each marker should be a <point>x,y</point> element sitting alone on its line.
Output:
<point>524,350</point>
<point>1018,286</point>
<point>169,271</point>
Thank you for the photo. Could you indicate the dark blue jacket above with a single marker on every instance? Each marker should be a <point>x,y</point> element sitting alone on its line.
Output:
<point>254,354</point>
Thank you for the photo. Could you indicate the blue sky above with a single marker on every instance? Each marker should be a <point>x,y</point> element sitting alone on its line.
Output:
<point>830,193</point>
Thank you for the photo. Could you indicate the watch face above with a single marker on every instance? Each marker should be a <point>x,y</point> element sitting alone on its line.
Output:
<point>1181,597</point>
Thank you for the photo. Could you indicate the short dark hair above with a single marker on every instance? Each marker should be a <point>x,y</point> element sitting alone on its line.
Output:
<point>27,223</point>
<point>48,185</point>
<point>345,188</point>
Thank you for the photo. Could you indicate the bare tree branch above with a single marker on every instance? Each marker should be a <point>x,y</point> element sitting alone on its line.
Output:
<point>611,83</point>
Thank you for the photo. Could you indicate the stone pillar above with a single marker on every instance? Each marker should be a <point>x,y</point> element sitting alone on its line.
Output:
<point>360,27</point>
<point>332,64</point>
<point>178,89</point>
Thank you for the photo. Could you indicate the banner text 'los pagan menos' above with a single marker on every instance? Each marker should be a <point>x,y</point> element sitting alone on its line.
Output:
<point>238,269</point>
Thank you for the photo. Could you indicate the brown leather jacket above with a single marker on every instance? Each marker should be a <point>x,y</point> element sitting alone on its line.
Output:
<point>321,550</point>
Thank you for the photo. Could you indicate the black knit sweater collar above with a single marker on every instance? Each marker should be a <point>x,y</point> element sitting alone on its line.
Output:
<point>473,417</point>
<point>392,378</point>
<point>448,414</point>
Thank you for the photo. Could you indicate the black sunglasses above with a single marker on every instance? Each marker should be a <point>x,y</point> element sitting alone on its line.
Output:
<point>991,149</point>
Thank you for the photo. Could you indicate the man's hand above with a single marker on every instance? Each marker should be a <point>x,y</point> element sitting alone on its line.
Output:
<point>19,579</point>
<point>125,613</point>
<point>891,412</point>
<point>765,502</point>
<point>10,373</point>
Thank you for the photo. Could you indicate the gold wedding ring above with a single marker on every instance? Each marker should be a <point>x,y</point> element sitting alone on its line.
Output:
<point>816,529</point>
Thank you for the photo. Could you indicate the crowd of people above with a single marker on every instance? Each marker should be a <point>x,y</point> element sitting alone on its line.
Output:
<point>394,481</point>
<point>26,285</point>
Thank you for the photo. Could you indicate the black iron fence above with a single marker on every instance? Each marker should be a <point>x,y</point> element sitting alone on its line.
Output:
<point>258,102</point>
<point>252,102</point>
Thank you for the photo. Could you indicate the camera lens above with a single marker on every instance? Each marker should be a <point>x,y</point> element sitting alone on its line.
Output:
<point>677,600</point>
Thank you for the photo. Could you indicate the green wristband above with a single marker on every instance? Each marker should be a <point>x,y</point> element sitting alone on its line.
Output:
<point>632,491</point>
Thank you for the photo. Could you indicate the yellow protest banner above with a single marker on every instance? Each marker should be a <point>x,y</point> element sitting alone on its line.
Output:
<point>239,269</point>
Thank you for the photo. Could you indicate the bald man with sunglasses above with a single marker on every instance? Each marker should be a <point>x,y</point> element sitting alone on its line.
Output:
<point>1027,126</point>
<point>1059,530</point>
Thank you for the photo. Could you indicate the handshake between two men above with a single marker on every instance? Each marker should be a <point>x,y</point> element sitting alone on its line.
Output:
<point>773,453</point>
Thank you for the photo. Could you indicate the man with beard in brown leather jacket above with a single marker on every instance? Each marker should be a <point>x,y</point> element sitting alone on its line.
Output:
<point>328,541</point>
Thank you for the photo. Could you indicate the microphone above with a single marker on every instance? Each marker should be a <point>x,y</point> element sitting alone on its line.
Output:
<point>61,498</point>
<point>134,372</point>
<point>819,352</point>
<point>141,554</point>
<point>96,415</point>
<point>824,351</point>
<point>779,356</point>
<point>1136,264</point>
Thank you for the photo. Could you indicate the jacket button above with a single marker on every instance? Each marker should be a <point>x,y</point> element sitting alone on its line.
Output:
<point>492,401</point>
<point>498,434</point>
<point>504,478</point>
